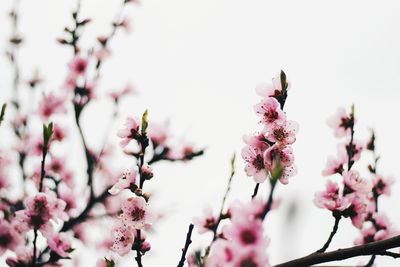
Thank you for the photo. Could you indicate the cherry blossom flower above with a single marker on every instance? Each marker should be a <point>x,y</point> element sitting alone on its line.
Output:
<point>116,95</point>
<point>135,213</point>
<point>276,152</point>
<point>382,185</point>
<point>331,198</point>
<point>273,89</point>
<point>50,105</point>
<point>288,172</point>
<point>123,238</point>
<point>353,183</point>
<point>245,233</point>
<point>23,257</point>
<point>258,141</point>
<point>207,222</point>
<point>9,237</point>
<point>127,180</point>
<point>357,148</point>
<point>240,211</point>
<point>283,133</point>
<point>341,123</point>
<point>130,132</point>
<point>334,165</point>
<point>59,133</point>
<point>158,134</point>
<point>270,111</point>
<point>61,244</point>
<point>78,66</point>
<point>357,211</point>
<point>255,165</point>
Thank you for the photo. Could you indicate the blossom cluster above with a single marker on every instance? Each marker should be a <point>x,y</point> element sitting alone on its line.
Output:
<point>272,145</point>
<point>355,196</point>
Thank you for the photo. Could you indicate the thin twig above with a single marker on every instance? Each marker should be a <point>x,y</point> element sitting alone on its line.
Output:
<point>187,244</point>
<point>334,230</point>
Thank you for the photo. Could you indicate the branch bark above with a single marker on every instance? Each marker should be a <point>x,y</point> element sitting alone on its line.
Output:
<point>377,247</point>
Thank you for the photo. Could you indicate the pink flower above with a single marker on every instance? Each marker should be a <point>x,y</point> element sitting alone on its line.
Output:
<point>245,233</point>
<point>40,209</point>
<point>331,198</point>
<point>222,254</point>
<point>61,244</point>
<point>127,180</point>
<point>116,95</point>
<point>207,222</point>
<point>135,213</point>
<point>357,211</point>
<point>123,238</point>
<point>273,89</point>
<point>353,183</point>
<point>158,134</point>
<point>51,104</point>
<point>130,132</point>
<point>59,133</point>
<point>334,165</point>
<point>270,111</point>
<point>258,141</point>
<point>23,257</point>
<point>78,66</point>
<point>9,237</point>
<point>288,171</point>
<point>283,154</point>
<point>341,123</point>
<point>255,166</point>
<point>283,133</point>
<point>357,148</point>
<point>251,257</point>
<point>240,211</point>
<point>382,185</point>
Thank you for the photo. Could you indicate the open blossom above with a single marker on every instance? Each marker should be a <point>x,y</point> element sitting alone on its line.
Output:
<point>23,257</point>
<point>288,172</point>
<point>116,95</point>
<point>135,213</point>
<point>357,148</point>
<point>158,134</point>
<point>258,141</point>
<point>334,165</point>
<point>283,133</point>
<point>207,222</point>
<point>127,180</point>
<point>354,183</point>
<point>341,123</point>
<point>51,104</point>
<point>59,133</point>
<point>60,243</point>
<point>130,132</point>
<point>255,165</point>
<point>78,66</point>
<point>9,238</point>
<point>245,233</point>
<point>240,211</point>
<point>283,154</point>
<point>123,238</point>
<point>273,89</point>
<point>40,209</point>
<point>358,209</point>
<point>382,185</point>
<point>331,198</point>
<point>270,111</point>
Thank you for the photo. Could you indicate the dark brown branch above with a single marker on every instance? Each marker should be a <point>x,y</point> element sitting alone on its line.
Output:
<point>334,230</point>
<point>187,244</point>
<point>268,206</point>
<point>255,192</point>
<point>377,247</point>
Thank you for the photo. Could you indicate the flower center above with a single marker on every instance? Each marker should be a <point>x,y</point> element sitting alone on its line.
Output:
<point>248,237</point>
<point>137,214</point>
<point>258,162</point>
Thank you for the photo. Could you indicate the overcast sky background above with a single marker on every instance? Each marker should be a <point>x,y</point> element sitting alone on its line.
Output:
<point>196,63</point>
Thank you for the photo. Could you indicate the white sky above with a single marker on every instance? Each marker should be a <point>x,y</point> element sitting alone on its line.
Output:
<point>197,63</point>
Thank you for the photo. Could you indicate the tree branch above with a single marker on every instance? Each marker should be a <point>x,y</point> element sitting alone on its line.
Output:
<point>377,247</point>
<point>187,244</point>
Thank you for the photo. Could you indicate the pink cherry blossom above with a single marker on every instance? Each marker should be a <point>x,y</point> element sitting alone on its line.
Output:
<point>158,134</point>
<point>250,210</point>
<point>283,133</point>
<point>382,185</point>
<point>270,111</point>
<point>357,148</point>
<point>78,66</point>
<point>9,237</point>
<point>334,165</point>
<point>257,140</point>
<point>59,133</point>
<point>255,165</point>
<point>341,123</point>
<point>207,222</point>
<point>276,152</point>
<point>354,183</point>
<point>135,213</point>
<point>61,244</point>
<point>273,89</point>
<point>245,233</point>
<point>127,180</point>
<point>130,132</point>
<point>128,90</point>
<point>288,172</point>
<point>331,198</point>
<point>123,238</point>
<point>50,105</point>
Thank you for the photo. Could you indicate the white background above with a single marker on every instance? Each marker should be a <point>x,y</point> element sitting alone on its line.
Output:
<point>197,63</point>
